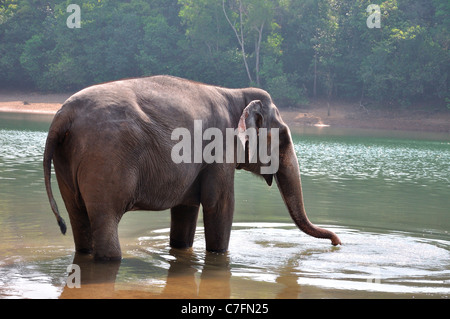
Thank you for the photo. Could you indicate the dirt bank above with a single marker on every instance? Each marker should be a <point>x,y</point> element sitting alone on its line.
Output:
<point>31,102</point>
<point>352,115</point>
<point>349,115</point>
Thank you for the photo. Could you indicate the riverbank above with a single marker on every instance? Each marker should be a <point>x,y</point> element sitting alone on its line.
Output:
<point>338,114</point>
<point>352,115</point>
<point>19,102</point>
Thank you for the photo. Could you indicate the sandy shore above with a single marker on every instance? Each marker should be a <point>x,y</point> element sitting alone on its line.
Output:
<point>317,114</point>
<point>31,102</point>
<point>350,115</point>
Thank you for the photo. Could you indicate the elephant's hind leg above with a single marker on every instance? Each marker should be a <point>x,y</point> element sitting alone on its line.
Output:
<point>79,220</point>
<point>81,228</point>
<point>105,235</point>
<point>182,226</point>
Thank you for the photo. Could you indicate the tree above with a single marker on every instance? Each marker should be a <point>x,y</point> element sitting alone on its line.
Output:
<point>20,20</point>
<point>158,52</point>
<point>248,20</point>
<point>211,53</point>
<point>238,29</point>
<point>406,64</point>
<point>293,48</point>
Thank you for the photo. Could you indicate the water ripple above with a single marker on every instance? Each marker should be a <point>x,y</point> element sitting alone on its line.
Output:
<point>393,263</point>
<point>399,161</point>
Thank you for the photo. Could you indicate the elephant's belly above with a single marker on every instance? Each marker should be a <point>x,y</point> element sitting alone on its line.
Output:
<point>163,198</point>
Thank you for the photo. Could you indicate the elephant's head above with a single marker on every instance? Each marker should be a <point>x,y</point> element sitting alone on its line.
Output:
<point>263,117</point>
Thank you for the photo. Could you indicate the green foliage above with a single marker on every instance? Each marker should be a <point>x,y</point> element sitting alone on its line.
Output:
<point>296,49</point>
<point>406,64</point>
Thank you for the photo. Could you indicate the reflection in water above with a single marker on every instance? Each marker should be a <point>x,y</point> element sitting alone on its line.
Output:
<point>98,279</point>
<point>278,259</point>
<point>189,275</point>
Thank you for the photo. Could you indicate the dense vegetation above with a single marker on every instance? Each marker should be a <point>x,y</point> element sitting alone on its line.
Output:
<point>296,49</point>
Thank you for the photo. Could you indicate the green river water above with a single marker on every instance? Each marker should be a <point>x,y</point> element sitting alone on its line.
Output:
<point>386,195</point>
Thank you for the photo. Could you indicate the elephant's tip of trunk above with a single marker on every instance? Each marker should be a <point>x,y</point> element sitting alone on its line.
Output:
<point>335,240</point>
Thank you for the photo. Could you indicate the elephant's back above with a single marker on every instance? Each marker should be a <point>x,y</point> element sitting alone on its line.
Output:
<point>134,114</point>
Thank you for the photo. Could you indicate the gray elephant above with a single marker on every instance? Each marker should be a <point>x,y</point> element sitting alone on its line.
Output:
<point>113,146</point>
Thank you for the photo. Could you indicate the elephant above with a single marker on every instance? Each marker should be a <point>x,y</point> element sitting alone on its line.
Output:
<point>111,147</point>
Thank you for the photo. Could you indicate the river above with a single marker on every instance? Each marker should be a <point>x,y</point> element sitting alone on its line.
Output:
<point>386,195</point>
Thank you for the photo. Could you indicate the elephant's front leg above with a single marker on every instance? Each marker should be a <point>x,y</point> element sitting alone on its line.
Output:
<point>218,206</point>
<point>182,226</point>
<point>218,220</point>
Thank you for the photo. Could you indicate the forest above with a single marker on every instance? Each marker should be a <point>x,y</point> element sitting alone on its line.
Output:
<point>395,55</point>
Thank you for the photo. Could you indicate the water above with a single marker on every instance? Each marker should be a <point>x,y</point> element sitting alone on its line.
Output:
<point>385,194</point>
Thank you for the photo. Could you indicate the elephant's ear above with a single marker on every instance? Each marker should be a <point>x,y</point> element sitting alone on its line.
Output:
<point>251,118</point>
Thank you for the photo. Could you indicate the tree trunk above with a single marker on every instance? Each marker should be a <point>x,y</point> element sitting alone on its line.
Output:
<point>240,37</point>
<point>257,51</point>
<point>315,76</point>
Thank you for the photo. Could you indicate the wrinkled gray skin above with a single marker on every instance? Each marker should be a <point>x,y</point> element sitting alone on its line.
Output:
<point>111,148</point>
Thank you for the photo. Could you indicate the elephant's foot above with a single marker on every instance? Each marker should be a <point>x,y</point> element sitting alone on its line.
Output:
<point>84,251</point>
<point>106,246</point>
<point>180,244</point>
<point>101,257</point>
<point>218,251</point>
<point>107,250</point>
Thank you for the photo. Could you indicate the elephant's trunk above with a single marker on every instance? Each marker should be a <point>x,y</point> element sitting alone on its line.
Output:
<point>289,184</point>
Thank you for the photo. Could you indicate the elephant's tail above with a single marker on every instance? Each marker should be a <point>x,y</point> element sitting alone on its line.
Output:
<point>57,132</point>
